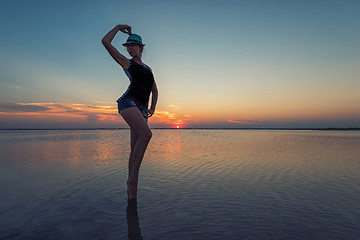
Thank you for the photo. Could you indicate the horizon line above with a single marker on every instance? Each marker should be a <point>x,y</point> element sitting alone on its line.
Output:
<point>192,128</point>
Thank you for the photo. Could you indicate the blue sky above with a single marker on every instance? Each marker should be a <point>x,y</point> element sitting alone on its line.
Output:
<point>217,63</point>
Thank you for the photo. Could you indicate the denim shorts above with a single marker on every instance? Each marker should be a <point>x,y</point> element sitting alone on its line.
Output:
<point>129,102</point>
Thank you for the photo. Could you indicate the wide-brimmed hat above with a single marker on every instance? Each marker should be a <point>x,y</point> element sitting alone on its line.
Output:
<point>134,38</point>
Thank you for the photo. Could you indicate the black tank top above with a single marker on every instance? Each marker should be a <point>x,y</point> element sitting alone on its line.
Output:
<point>141,82</point>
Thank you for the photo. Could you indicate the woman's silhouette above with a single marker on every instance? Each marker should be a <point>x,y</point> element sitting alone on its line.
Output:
<point>133,104</point>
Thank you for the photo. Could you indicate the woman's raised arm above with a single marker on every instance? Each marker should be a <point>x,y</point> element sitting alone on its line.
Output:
<point>115,54</point>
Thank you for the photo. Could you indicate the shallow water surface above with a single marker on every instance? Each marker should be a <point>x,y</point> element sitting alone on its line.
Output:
<point>194,184</point>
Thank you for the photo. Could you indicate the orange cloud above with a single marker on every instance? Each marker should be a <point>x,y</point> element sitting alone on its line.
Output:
<point>84,111</point>
<point>242,121</point>
<point>58,115</point>
<point>170,118</point>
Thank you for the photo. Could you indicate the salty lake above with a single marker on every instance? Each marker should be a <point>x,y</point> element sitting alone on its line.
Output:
<point>194,184</point>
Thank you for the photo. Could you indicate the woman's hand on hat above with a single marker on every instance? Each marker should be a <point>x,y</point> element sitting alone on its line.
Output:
<point>125,29</point>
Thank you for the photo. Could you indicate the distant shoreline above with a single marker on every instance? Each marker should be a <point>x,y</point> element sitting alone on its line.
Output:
<point>297,129</point>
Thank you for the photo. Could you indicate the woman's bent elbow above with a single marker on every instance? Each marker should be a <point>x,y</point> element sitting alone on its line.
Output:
<point>105,42</point>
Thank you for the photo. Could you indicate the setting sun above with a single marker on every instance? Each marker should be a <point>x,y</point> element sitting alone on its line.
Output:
<point>177,126</point>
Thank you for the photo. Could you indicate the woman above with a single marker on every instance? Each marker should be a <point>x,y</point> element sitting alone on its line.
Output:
<point>133,104</point>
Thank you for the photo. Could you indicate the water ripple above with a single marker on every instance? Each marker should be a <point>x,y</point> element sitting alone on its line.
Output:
<point>194,184</point>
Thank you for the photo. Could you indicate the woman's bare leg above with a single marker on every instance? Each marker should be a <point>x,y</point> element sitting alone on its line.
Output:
<point>133,140</point>
<point>141,136</point>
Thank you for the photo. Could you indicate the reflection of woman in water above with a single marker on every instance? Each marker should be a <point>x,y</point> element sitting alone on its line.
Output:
<point>134,231</point>
<point>133,104</point>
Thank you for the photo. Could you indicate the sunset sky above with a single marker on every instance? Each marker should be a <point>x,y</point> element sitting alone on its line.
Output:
<point>221,63</point>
